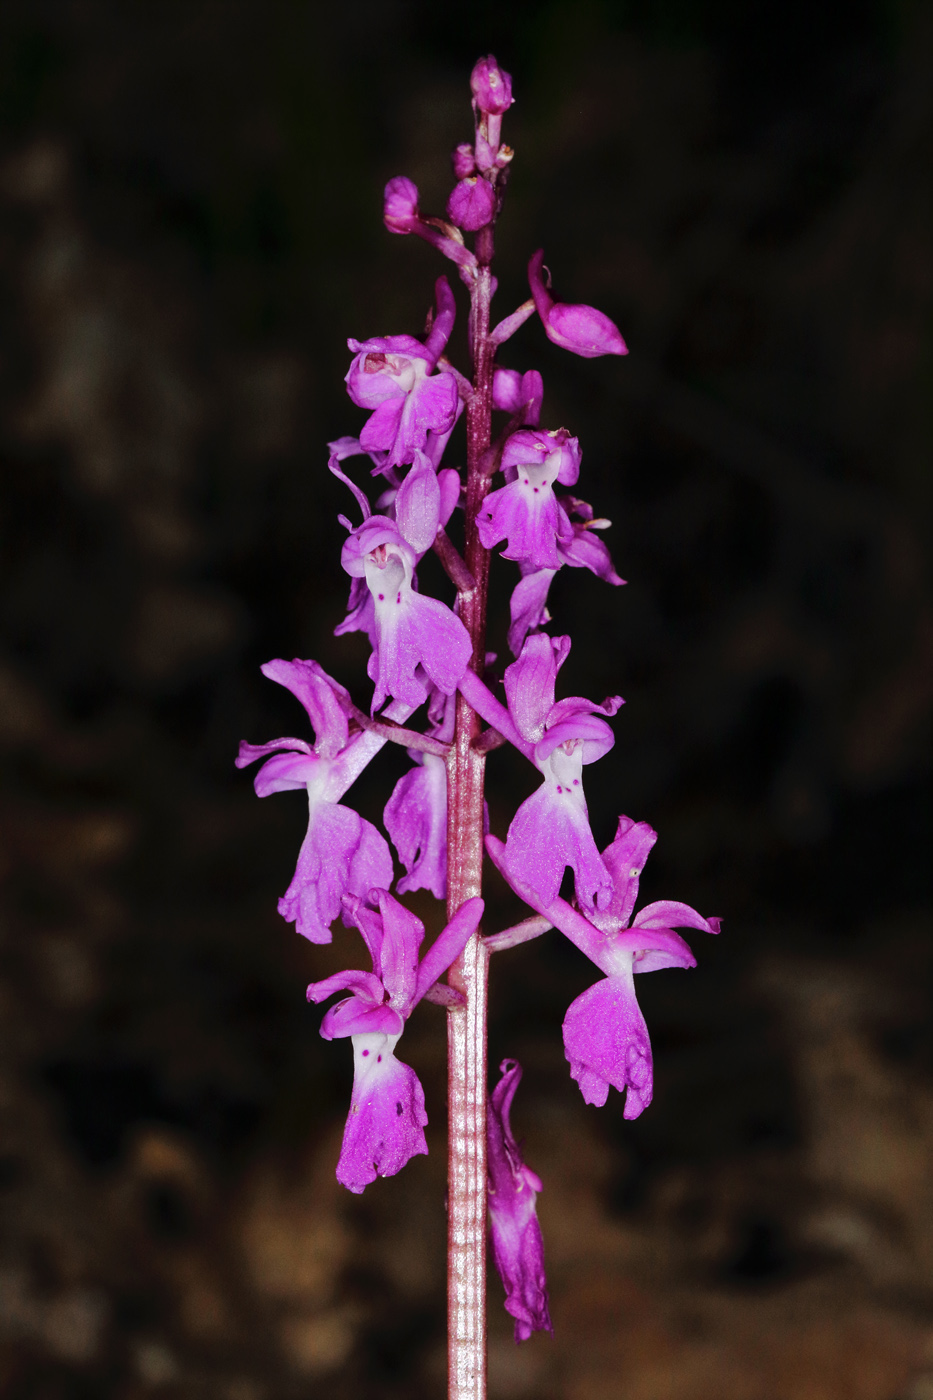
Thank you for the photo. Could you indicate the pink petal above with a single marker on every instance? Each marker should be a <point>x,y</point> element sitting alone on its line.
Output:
<point>416,820</point>
<point>606,1042</point>
<point>385,1126</point>
<point>418,505</point>
<point>341,854</point>
<point>449,944</point>
<point>625,859</point>
<point>321,696</point>
<point>550,831</point>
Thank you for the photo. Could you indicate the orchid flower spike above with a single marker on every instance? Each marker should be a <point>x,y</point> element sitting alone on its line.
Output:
<point>582,329</point>
<point>342,854</point>
<point>386,1122</point>
<point>517,1245</point>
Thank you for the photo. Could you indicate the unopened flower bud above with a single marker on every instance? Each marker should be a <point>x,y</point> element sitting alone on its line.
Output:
<point>582,329</point>
<point>463,160</point>
<point>492,88</point>
<point>400,205</point>
<point>472,204</point>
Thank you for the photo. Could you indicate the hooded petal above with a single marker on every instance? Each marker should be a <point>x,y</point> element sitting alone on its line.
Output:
<point>364,985</point>
<point>670,913</point>
<point>530,681</point>
<point>625,859</point>
<point>528,606</point>
<point>418,505</point>
<point>341,854</point>
<point>517,1245</point>
<point>385,1126</point>
<point>402,936</point>
<point>321,696</point>
<point>606,1042</point>
<point>359,1017</point>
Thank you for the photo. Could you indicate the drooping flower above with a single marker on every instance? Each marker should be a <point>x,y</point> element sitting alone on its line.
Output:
<point>517,1245</point>
<point>582,329</point>
<point>551,828</point>
<point>385,1125</point>
<point>392,376</point>
<point>413,636</point>
<point>341,853</point>
<point>605,1036</point>
<point>525,512</point>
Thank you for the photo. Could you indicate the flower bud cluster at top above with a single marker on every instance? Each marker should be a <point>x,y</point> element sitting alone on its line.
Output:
<point>420,655</point>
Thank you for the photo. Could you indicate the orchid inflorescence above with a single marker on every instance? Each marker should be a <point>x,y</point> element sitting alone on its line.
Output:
<point>519,492</point>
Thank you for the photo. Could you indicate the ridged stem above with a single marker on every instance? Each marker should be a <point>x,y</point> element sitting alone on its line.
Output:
<point>466,1196</point>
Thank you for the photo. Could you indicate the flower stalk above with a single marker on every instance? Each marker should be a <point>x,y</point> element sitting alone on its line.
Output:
<point>466,1034</point>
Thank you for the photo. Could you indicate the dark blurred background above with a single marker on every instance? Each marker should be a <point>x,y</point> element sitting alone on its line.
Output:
<point>191,227</point>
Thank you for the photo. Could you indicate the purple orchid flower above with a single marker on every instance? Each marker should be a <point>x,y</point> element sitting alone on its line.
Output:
<point>341,853</point>
<point>392,375</point>
<point>551,828</point>
<point>582,329</point>
<point>605,1036</point>
<point>525,511</point>
<point>386,1122</point>
<point>517,1245</point>
<point>411,634</point>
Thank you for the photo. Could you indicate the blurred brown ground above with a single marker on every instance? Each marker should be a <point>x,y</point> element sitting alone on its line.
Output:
<point>190,230</point>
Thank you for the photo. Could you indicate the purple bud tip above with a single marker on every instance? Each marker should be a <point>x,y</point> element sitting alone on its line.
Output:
<point>582,329</point>
<point>472,204</point>
<point>492,88</point>
<point>400,205</point>
<point>463,160</point>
